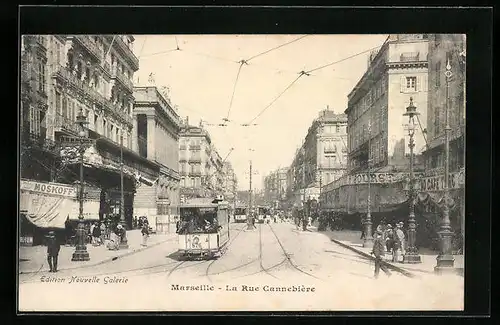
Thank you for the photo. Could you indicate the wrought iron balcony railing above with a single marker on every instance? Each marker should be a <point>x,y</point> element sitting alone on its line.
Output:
<point>194,147</point>
<point>67,76</point>
<point>64,123</point>
<point>123,79</point>
<point>129,54</point>
<point>86,42</point>
<point>409,57</point>
<point>195,159</point>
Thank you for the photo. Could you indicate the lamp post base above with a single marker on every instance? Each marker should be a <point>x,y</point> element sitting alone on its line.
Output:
<point>123,244</point>
<point>445,264</point>
<point>368,242</point>
<point>80,255</point>
<point>412,258</point>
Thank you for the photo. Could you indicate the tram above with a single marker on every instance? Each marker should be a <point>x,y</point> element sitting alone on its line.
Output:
<point>262,213</point>
<point>240,213</point>
<point>203,228</point>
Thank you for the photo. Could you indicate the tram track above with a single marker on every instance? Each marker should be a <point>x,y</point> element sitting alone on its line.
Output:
<point>210,262</point>
<point>288,258</point>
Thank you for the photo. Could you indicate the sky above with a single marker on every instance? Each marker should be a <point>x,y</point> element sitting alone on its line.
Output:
<point>203,78</point>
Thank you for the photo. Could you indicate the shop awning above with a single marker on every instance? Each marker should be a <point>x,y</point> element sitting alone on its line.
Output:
<point>48,205</point>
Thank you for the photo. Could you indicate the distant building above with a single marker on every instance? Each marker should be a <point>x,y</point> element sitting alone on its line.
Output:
<point>230,182</point>
<point>275,187</point>
<point>200,165</point>
<point>321,159</point>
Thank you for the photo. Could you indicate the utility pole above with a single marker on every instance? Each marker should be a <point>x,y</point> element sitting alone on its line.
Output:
<point>124,241</point>
<point>445,260</point>
<point>368,242</point>
<point>250,222</point>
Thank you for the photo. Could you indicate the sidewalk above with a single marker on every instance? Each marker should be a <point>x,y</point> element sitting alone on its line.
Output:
<point>33,259</point>
<point>351,239</point>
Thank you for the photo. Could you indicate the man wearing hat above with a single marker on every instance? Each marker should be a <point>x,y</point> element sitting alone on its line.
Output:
<point>53,248</point>
<point>389,237</point>
<point>378,251</point>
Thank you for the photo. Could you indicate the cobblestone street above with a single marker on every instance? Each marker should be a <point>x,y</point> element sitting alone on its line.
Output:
<point>274,255</point>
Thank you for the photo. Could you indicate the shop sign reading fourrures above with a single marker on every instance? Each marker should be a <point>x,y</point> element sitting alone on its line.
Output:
<point>436,183</point>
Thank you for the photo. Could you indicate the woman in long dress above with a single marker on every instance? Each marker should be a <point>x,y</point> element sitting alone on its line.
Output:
<point>145,234</point>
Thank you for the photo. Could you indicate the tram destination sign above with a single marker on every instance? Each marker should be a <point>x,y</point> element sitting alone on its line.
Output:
<point>76,141</point>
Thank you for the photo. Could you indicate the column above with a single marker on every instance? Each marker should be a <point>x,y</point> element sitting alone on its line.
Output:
<point>151,152</point>
<point>135,143</point>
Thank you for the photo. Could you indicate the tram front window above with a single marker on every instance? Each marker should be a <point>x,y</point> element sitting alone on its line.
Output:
<point>198,220</point>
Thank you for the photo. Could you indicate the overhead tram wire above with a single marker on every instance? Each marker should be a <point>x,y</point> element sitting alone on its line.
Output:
<point>344,59</point>
<point>242,62</point>
<point>308,73</point>
<point>274,100</point>
<point>277,47</point>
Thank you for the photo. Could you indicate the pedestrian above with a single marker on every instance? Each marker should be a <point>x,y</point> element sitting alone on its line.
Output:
<point>91,233</point>
<point>363,235</point>
<point>135,222</point>
<point>401,237</point>
<point>53,248</point>
<point>96,235</point>
<point>379,251</point>
<point>145,234</point>
<point>389,238</point>
<point>103,232</point>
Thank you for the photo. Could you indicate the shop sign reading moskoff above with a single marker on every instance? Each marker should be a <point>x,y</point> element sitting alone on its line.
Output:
<point>49,188</point>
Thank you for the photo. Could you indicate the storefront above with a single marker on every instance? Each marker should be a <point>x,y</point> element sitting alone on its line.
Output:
<point>345,202</point>
<point>48,206</point>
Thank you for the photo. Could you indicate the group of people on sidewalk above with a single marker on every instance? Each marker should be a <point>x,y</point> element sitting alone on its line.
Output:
<point>394,239</point>
<point>99,233</point>
<point>387,240</point>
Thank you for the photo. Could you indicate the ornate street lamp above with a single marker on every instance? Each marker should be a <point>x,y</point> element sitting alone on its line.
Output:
<point>445,259</point>
<point>124,241</point>
<point>368,241</point>
<point>81,253</point>
<point>411,255</point>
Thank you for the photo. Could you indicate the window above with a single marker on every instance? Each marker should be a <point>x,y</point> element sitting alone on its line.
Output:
<point>337,129</point>
<point>411,83</point>
<point>34,121</point>
<point>438,74</point>
<point>437,122</point>
<point>41,76</point>
<point>58,103</point>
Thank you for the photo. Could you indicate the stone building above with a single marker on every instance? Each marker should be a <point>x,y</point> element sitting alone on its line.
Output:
<point>378,152</point>
<point>90,75</point>
<point>322,158</point>
<point>275,187</point>
<point>156,137</point>
<point>445,49</point>
<point>200,165</point>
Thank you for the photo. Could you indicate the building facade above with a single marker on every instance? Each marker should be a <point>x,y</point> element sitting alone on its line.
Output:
<point>275,187</point>
<point>445,49</point>
<point>200,166</point>
<point>230,183</point>
<point>155,136</point>
<point>321,159</point>
<point>378,152</point>
<point>90,75</point>
<point>396,72</point>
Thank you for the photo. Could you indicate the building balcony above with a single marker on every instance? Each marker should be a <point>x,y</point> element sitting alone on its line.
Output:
<point>182,147</point>
<point>194,147</point>
<point>195,159</point>
<point>182,159</point>
<point>41,42</point>
<point>89,45</point>
<point>65,124</point>
<point>39,141</point>
<point>69,79</point>
<point>195,173</point>
<point>409,57</point>
<point>123,80</point>
<point>128,54</point>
